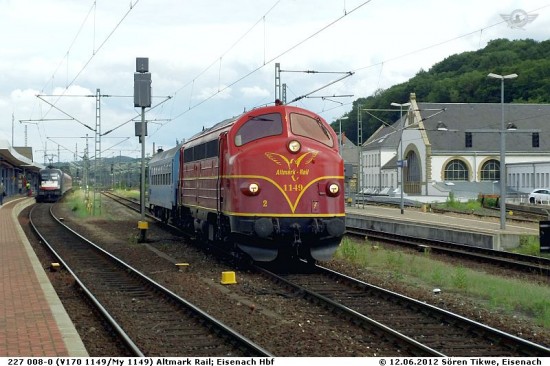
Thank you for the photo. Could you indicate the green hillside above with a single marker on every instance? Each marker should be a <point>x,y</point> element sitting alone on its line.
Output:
<point>462,78</point>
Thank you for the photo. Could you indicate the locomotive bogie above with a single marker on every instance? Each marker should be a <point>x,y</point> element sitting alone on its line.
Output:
<point>264,239</point>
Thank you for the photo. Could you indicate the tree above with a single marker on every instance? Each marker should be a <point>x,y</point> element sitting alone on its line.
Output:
<point>462,78</point>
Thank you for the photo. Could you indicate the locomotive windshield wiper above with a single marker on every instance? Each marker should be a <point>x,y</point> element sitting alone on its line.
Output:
<point>256,118</point>
<point>327,134</point>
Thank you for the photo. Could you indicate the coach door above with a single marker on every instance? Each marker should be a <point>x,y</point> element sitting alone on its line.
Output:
<point>222,151</point>
<point>180,178</point>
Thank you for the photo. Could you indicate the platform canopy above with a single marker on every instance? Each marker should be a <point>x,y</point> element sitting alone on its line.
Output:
<point>9,155</point>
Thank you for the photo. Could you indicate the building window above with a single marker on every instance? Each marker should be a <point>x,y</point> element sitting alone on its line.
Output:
<point>468,139</point>
<point>413,168</point>
<point>490,171</point>
<point>456,170</point>
<point>535,139</point>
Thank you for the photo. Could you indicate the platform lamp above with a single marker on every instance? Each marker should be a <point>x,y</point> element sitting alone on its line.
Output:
<point>400,162</point>
<point>502,149</point>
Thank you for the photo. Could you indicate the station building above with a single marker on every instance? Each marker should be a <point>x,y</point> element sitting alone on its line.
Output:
<point>446,148</point>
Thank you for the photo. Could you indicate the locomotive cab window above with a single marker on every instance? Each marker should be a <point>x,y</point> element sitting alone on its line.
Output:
<point>49,176</point>
<point>312,128</point>
<point>258,127</point>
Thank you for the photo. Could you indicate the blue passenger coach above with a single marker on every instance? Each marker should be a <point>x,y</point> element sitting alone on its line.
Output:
<point>163,176</point>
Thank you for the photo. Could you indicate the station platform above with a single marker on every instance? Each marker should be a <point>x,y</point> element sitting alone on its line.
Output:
<point>461,229</point>
<point>33,321</point>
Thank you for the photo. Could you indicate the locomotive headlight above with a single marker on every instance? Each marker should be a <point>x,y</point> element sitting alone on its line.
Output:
<point>294,146</point>
<point>333,189</point>
<point>254,188</point>
<point>250,189</point>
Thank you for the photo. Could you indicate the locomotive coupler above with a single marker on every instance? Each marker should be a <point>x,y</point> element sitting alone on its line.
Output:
<point>317,226</point>
<point>276,226</point>
<point>296,229</point>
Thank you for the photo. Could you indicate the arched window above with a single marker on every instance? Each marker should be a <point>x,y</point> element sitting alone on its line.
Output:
<point>490,171</point>
<point>413,168</point>
<point>456,170</point>
<point>412,174</point>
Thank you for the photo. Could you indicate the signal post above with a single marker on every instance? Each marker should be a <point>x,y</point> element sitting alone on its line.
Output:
<point>142,98</point>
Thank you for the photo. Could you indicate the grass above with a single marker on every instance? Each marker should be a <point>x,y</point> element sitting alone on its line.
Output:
<point>83,207</point>
<point>128,193</point>
<point>78,202</point>
<point>508,295</point>
<point>82,202</point>
<point>471,206</point>
<point>530,245</point>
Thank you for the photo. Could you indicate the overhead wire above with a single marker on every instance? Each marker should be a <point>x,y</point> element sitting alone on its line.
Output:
<point>407,54</point>
<point>133,3</point>
<point>64,59</point>
<point>265,62</point>
<point>381,63</point>
<point>294,46</point>
<point>66,56</point>
<point>95,51</point>
<point>219,58</point>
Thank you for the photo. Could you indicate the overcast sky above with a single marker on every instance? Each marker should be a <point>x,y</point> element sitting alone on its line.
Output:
<point>215,58</point>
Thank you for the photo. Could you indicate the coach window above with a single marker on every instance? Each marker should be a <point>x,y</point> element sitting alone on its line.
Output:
<point>258,127</point>
<point>212,149</point>
<point>303,125</point>
<point>188,154</point>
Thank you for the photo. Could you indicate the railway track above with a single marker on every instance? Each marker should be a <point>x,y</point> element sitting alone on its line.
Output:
<point>365,341</point>
<point>128,202</point>
<point>519,262</point>
<point>375,335</point>
<point>168,325</point>
<point>416,328</point>
<point>503,259</point>
<point>432,329</point>
<point>522,212</point>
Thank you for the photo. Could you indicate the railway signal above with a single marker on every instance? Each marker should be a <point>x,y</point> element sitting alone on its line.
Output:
<point>142,98</point>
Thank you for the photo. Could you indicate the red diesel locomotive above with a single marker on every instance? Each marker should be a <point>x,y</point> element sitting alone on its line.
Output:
<point>269,182</point>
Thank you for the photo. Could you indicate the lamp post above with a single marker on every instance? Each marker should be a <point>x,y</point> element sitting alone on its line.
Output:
<point>340,136</point>
<point>400,162</point>
<point>502,149</point>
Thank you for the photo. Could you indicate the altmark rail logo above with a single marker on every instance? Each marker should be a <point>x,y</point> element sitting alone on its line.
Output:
<point>294,167</point>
